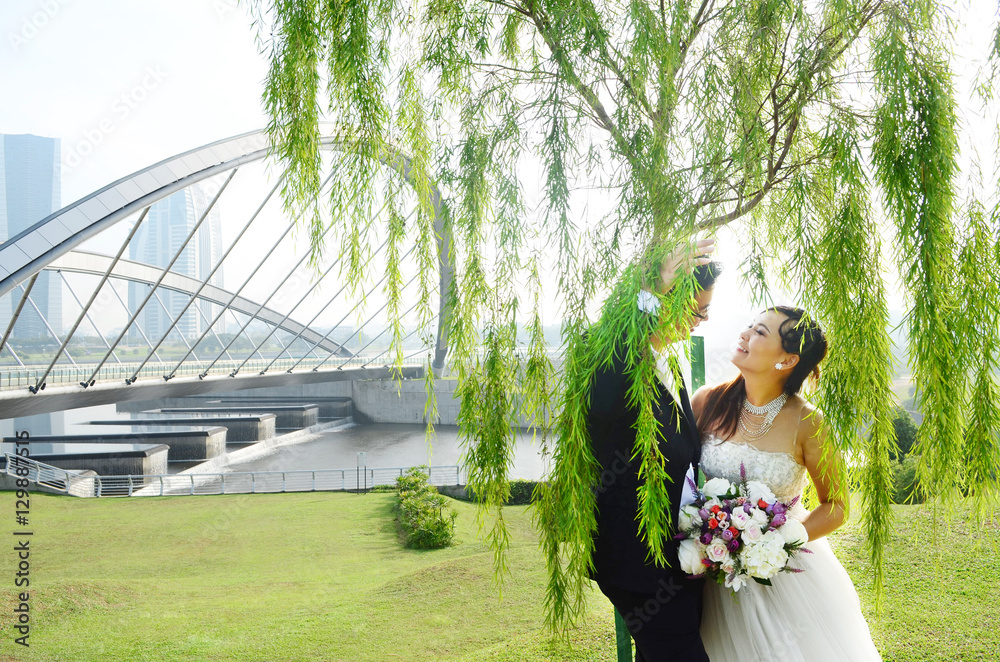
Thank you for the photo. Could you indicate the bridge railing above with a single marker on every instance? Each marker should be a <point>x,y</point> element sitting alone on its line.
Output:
<point>243,482</point>
<point>54,478</point>
<point>14,377</point>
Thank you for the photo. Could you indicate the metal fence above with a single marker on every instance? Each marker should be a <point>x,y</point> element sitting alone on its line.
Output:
<point>14,377</point>
<point>248,482</point>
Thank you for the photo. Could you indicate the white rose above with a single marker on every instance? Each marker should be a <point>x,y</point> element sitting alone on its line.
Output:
<point>717,552</point>
<point>717,487</point>
<point>689,518</point>
<point>793,532</point>
<point>759,517</point>
<point>758,490</point>
<point>752,533</point>
<point>648,303</point>
<point>763,560</point>
<point>751,557</point>
<point>776,560</point>
<point>774,540</point>
<point>735,582</point>
<point>740,518</point>
<point>763,570</point>
<point>690,553</point>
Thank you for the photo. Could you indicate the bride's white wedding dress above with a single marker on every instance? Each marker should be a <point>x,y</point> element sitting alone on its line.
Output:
<point>811,616</point>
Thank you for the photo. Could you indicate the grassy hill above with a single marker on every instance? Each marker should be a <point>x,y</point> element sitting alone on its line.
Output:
<point>322,577</point>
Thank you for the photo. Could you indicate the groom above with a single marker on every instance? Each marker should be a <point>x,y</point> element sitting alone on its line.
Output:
<point>661,607</point>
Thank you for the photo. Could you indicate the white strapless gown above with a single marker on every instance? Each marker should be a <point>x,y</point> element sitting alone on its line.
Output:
<point>812,616</point>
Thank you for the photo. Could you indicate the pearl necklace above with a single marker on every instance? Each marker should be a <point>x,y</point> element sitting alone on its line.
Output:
<point>756,421</point>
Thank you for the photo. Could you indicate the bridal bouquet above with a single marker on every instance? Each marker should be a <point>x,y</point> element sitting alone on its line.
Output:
<point>736,532</point>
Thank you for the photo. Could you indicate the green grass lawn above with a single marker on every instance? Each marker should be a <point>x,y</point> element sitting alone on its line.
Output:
<point>322,577</point>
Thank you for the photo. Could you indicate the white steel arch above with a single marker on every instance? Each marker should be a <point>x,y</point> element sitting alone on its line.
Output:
<point>95,264</point>
<point>50,243</point>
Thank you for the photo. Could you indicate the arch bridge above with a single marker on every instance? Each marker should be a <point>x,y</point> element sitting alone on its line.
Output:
<point>141,262</point>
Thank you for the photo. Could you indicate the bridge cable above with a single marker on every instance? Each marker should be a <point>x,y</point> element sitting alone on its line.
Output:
<point>166,270</point>
<point>138,327</point>
<point>246,282</point>
<point>205,281</point>
<point>274,247</point>
<point>386,351</point>
<point>183,247</point>
<point>93,324</point>
<point>84,309</point>
<point>285,319</point>
<point>17,313</point>
<point>382,332</point>
<point>321,311</point>
<point>365,297</point>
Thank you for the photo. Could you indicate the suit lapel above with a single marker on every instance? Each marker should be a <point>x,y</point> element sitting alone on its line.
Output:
<point>692,424</point>
<point>667,402</point>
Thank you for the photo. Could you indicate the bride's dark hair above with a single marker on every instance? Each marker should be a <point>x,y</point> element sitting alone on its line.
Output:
<point>801,335</point>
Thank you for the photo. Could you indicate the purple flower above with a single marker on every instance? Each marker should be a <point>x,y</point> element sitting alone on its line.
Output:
<point>727,535</point>
<point>743,472</point>
<point>779,508</point>
<point>778,520</point>
<point>703,514</point>
<point>733,545</point>
<point>706,538</point>
<point>694,485</point>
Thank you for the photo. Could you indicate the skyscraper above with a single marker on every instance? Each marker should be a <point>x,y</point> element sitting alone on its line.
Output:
<point>157,241</point>
<point>30,190</point>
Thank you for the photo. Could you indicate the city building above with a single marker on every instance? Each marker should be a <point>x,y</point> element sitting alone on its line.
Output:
<point>30,190</point>
<point>158,240</point>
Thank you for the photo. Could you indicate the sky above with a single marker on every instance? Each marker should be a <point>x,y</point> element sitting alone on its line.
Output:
<point>125,84</point>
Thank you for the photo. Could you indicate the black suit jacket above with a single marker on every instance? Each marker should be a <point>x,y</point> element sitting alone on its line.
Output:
<point>620,555</point>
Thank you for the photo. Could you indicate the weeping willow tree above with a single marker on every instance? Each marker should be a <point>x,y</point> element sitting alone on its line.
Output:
<point>821,129</point>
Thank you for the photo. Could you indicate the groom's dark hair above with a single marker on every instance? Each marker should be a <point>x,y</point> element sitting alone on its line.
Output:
<point>706,274</point>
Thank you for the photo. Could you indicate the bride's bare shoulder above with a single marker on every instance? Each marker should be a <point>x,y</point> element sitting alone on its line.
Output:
<point>810,417</point>
<point>811,435</point>
<point>698,400</point>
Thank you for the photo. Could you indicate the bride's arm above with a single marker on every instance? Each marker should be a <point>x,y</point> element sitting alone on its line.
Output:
<point>824,464</point>
<point>698,401</point>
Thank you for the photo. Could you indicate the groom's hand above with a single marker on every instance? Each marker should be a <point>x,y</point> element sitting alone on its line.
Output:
<point>684,259</point>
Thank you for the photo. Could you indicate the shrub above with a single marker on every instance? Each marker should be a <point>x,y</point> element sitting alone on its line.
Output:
<point>425,519</point>
<point>521,492</point>
<point>906,434</point>
<point>904,481</point>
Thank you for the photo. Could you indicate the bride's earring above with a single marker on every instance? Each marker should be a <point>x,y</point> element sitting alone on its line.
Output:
<point>778,366</point>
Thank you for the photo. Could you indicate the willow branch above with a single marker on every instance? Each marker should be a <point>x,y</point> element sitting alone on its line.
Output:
<point>585,91</point>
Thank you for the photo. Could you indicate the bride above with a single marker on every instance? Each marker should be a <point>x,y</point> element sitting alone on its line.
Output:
<point>759,420</point>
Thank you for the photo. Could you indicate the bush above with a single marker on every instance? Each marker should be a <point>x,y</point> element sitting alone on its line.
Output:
<point>904,481</point>
<point>425,519</point>
<point>521,492</point>
<point>906,434</point>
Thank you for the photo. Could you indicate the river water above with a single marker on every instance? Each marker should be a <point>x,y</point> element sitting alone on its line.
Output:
<point>385,446</point>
